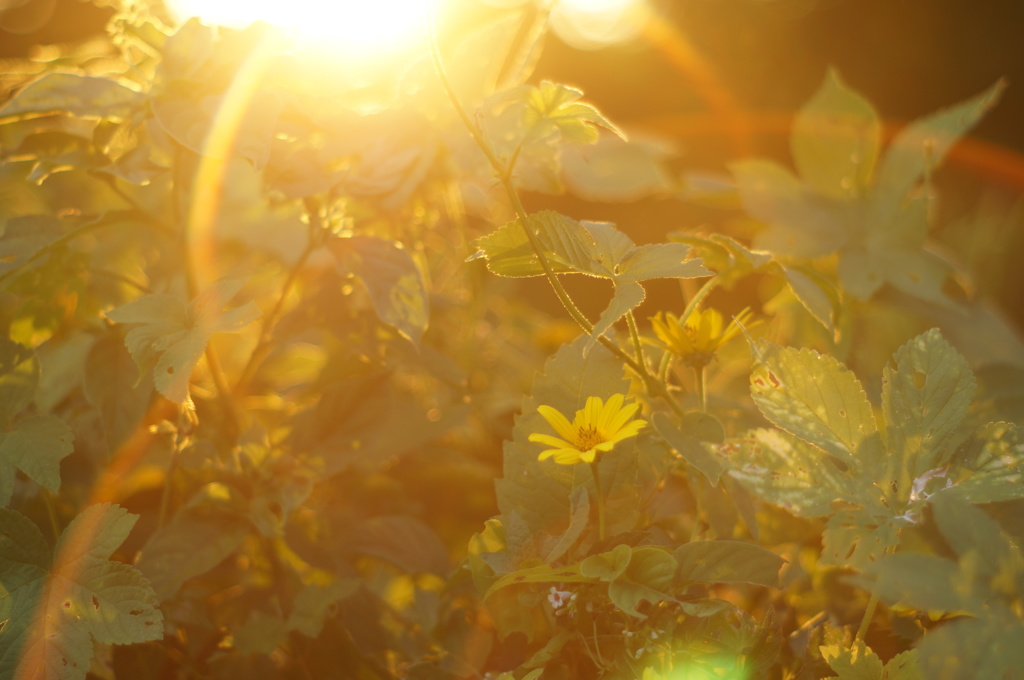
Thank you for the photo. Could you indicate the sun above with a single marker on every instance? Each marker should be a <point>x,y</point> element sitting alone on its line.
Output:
<point>356,27</point>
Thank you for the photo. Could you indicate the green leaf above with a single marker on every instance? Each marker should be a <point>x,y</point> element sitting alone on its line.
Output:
<point>313,604</point>
<point>728,562</point>
<point>55,611</point>
<point>554,107</point>
<point>835,140</point>
<point>989,469</point>
<point>972,649</point>
<point>627,296</point>
<point>648,576</point>
<point>857,538</point>
<point>543,573</point>
<point>567,245</point>
<point>404,541</point>
<point>111,387</point>
<point>967,528</point>
<point>816,294</point>
<point>787,472</point>
<point>202,535</point>
<point>816,398</point>
<point>25,237</point>
<point>171,336</point>
<point>392,279</point>
<point>579,517</point>
<point>660,261</point>
<point>539,492</point>
<point>924,399</point>
<point>858,662</point>
<point>85,96</point>
<point>690,448</point>
<point>924,582</point>
<point>607,566</point>
<point>35,445</point>
<point>921,146</point>
<point>796,222</point>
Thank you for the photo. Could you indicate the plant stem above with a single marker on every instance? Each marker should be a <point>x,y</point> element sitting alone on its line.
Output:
<point>272,318</point>
<point>700,378</point>
<point>698,297</point>
<point>869,614</point>
<point>599,499</point>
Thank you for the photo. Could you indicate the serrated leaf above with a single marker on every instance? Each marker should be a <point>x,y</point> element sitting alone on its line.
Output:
<point>816,398</point>
<point>690,448</point>
<point>727,562</point>
<point>924,399</point>
<point>922,145</point>
<point>392,279</point>
<point>660,261</point>
<point>567,246</point>
<point>553,107</point>
<point>990,469</point>
<point>786,471</point>
<point>170,336</point>
<point>835,140</point>
<point>579,517</point>
<point>54,611</point>
<point>86,96</point>
<point>858,662</point>
<point>857,538</point>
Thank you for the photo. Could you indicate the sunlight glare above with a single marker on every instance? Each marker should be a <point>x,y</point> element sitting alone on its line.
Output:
<point>592,24</point>
<point>355,27</point>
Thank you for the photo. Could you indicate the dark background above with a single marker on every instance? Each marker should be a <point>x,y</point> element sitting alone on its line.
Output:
<point>765,57</point>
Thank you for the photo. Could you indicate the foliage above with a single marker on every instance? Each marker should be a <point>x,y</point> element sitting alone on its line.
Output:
<point>285,331</point>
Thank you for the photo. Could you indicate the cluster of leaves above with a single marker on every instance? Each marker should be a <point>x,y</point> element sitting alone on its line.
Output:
<point>250,318</point>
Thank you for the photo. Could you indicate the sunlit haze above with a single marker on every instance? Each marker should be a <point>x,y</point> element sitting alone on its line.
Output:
<point>350,27</point>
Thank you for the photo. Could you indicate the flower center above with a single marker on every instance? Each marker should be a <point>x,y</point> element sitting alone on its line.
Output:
<point>587,438</point>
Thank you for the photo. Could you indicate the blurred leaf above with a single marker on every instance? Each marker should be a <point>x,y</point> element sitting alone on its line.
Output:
<point>614,170</point>
<point>25,237</point>
<point>404,541</point>
<point>55,610</point>
<point>554,107</point>
<point>313,604</point>
<point>797,223</point>
<point>815,293</point>
<point>111,386</point>
<point>727,562</point>
<point>392,278</point>
<point>835,140</point>
<point>86,96</point>
<point>689,447</point>
<point>170,336</point>
<point>971,649</point>
<point>988,467</point>
<point>202,535</point>
<point>922,146</point>
<point>860,663</point>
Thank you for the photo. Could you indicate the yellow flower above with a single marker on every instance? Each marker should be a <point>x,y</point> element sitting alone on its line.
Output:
<point>597,428</point>
<point>697,340</point>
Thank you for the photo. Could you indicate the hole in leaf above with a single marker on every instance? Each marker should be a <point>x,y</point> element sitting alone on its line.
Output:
<point>170,370</point>
<point>95,602</point>
<point>920,379</point>
<point>842,413</point>
<point>67,604</point>
<point>135,612</point>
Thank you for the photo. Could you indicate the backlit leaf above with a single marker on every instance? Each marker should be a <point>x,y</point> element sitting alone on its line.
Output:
<point>54,611</point>
<point>835,140</point>
<point>170,336</point>
<point>727,562</point>
<point>392,279</point>
<point>86,96</point>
